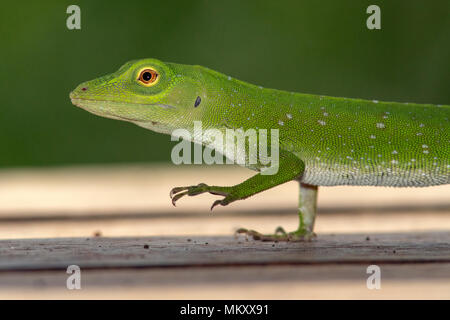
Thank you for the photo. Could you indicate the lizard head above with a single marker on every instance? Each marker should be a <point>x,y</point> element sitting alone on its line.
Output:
<point>150,93</point>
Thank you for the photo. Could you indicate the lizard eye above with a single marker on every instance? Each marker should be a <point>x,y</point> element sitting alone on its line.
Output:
<point>148,77</point>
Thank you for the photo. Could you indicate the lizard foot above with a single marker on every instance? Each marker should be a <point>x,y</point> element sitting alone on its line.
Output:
<point>279,235</point>
<point>179,192</point>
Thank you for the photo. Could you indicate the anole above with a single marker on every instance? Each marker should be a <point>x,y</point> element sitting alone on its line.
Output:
<point>324,141</point>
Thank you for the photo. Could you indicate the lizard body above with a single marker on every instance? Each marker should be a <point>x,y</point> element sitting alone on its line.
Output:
<point>324,141</point>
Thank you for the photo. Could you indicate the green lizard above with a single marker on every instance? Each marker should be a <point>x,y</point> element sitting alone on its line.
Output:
<point>324,141</point>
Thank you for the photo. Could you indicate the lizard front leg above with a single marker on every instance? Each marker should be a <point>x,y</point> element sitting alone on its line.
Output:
<point>290,167</point>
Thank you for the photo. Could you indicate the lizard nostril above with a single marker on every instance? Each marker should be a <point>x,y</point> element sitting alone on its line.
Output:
<point>84,88</point>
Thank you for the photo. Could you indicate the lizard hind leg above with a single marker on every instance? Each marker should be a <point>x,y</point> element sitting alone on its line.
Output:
<point>307,213</point>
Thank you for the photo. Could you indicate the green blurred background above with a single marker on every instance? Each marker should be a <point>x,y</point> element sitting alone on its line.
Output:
<point>310,46</point>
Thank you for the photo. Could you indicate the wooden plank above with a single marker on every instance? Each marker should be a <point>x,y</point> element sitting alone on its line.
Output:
<point>219,224</point>
<point>336,281</point>
<point>143,189</point>
<point>41,254</point>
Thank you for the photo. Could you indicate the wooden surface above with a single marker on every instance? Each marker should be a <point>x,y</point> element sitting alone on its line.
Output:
<point>117,224</point>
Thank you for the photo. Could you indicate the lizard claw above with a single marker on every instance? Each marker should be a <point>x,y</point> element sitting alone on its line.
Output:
<point>280,230</point>
<point>179,192</point>
<point>176,190</point>
<point>279,235</point>
<point>216,203</point>
<point>224,202</point>
<point>177,197</point>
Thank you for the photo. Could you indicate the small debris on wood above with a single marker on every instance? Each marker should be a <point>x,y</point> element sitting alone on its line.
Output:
<point>146,246</point>
<point>367,238</point>
<point>97,233</point>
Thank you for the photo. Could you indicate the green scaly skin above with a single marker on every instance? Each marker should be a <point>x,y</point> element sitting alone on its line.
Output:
<point>324,141</point>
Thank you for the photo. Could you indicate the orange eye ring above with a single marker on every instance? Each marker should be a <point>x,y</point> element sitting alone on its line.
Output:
<point>148,77</point>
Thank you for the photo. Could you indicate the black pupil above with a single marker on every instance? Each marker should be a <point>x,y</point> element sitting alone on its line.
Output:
<point>147,76</point>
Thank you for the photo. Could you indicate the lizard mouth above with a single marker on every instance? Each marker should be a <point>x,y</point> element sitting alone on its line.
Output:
<point>115,110</point>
